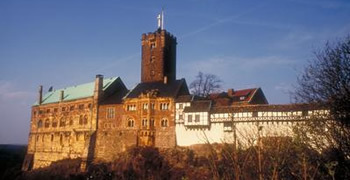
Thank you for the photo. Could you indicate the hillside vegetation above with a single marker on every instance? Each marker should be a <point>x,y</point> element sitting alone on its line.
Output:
<point>276,159</point>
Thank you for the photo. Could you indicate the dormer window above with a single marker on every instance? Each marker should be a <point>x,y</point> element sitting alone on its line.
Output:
<point>241,98</point>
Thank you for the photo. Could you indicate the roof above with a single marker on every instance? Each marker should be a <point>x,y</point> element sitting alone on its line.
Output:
<point>233,97</point>
<point>199,106</point>
<point>265,107</point>
<point>189,98</point>
<point>75,92</point>
<point>163,90</point>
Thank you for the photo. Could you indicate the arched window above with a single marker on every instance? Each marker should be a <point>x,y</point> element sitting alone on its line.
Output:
<point>81,120</point>
<point>71,122</point>
<point>62,122</point>
<point>164,123</point>
<point>85,121</point>
<point>52,137</point>
<point>40,124</point>
<point>151,123</point>
<point>131,123</point>
<point>144,122</point>
<point>61,139</point>
<point>47,123</point>
<point>54,123</point>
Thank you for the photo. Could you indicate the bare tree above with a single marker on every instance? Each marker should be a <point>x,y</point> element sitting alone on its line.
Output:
<point>326,82</point>
<point>204,84</point>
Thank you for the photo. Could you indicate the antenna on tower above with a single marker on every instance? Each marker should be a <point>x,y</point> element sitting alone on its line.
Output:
<point>160,18</point>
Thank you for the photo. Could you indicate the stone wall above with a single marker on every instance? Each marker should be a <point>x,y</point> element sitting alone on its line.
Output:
<point>61,130</point>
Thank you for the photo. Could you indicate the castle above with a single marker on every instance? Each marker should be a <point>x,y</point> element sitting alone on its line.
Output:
<point>97,120</point>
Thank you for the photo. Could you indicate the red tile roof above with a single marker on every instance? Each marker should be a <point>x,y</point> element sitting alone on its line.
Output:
<point>226,98</point>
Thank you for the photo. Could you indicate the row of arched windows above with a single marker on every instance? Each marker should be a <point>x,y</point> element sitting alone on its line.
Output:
<point>63,109</point>
<point>83,120</point>
<point>144,123</point>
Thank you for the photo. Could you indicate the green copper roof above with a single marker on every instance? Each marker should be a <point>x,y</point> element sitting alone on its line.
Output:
<point>75,92</point>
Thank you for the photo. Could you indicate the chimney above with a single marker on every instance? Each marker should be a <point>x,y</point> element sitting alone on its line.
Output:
<point>165,79</point>
<point>40,99</point>
<point>61,95</point>
<point>98,87</point>
<point>230,92</point>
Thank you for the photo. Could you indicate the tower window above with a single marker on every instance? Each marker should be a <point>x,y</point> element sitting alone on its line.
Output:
<point>153,59</point>
<point>153,45</point>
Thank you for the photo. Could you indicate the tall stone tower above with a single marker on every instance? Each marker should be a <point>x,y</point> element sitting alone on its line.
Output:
<point>158,57</point>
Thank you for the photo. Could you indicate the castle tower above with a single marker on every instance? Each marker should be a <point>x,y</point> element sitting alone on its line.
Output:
<point>158,55</point>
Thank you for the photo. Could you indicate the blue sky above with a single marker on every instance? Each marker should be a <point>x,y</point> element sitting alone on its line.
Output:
<point>246,43</point>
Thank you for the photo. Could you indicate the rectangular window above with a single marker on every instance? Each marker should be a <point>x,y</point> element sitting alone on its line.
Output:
<point>144,122</point>
<point>145,106</point>
<point>71,108</point>
<point>152,106</point>
<point>189,118</point>
<point>181,117</point>
<point>228,126</point>
<point>181,106</point>
<point>81,106</point>
<point>110,113</point>
<point>131,108</point>
<point>305,113</point>
<point>164,106</point>
<point>197,118</point>
<point>152,123</point>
